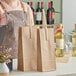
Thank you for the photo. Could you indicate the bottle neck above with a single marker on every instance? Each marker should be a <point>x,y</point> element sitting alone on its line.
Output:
<point>51,3</point>
<point>28,3</point>
<point>39,5</point>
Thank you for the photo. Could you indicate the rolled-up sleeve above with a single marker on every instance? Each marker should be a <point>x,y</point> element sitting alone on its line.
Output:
<point>29,13</point>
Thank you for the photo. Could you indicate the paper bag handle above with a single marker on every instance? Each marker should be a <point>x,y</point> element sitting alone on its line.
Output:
<point>46,33</point>
<point>43,17</point>
<point>30,32</point>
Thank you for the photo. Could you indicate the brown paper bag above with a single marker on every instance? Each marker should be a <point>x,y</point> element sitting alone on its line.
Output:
<point>45,50</point>
<point>27,53</point>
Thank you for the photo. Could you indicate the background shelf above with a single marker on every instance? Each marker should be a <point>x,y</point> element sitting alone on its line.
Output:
<point>57,5</point>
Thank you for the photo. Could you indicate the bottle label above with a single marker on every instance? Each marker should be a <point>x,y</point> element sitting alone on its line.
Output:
<point>60,43</point>
<point>50,16</point>
<point>38,16</point>
<point>74,42</point>
<point>53,15</point>
<point>50,13</point>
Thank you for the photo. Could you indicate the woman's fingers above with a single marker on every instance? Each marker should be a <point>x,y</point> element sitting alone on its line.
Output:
<point>58,29</point>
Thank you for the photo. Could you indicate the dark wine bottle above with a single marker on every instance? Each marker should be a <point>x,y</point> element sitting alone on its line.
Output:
<point>50,14</point>
<point>28,3</point>
<point>31,4</point>
<point>39,14</point>
<point>53,13</point>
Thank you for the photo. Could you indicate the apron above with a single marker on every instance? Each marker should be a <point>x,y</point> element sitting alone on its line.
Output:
<point>15,19</point>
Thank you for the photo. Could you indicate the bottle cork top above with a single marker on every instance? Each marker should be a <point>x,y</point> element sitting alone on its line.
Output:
<point>31,3</point>
<point>42,4</point>
<point>49,4</point>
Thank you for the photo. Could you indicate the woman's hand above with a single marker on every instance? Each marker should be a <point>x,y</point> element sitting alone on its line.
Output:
<point>59,28</point>
<point>2,17</point>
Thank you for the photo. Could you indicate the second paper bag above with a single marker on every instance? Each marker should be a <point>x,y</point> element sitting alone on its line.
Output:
<point>27,53</point>
<point>45,50</point>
